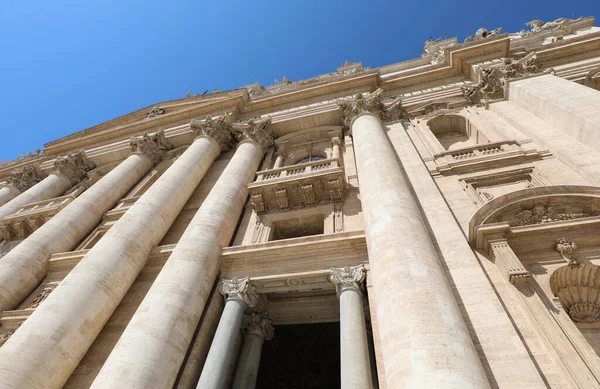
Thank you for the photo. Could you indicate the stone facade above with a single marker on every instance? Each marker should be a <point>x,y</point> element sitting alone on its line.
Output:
<point>443,210</point>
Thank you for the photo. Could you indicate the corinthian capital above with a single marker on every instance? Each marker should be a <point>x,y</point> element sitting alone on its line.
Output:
<point>26,177</point>
<point>240,290</point>
<point>349,277</point>
<point>371,103</point>
<point>258,131</point>
<point>74,166</point>
<point>259,324</point>
<point>153,146</point>
<point>218,129</point>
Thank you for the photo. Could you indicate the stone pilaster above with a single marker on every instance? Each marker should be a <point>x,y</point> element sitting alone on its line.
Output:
<point>183,286</point>
<point>355,363</point>
<point>82,303</point>
<point>154,147</point>
<point>257,328</point>
<point>218,129</point>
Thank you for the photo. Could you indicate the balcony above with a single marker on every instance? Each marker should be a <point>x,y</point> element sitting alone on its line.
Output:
<point>298,186</point>
<point>32,216</point>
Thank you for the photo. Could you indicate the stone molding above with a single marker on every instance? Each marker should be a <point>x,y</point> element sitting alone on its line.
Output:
<point>371,103</point>
<point>348,277</point>
<point>154,146</point>
<point>240,290</point>
<point>258,324</point>
<point>258,131</point>
<point>26,177</point>
<point>493,79</point>
<point>218,129</point>
<point>74,166</point>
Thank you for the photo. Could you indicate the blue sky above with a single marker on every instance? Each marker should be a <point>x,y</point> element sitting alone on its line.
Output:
<point>68,65</point>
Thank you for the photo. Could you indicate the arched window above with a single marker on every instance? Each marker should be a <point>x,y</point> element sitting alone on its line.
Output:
<point>310,158</point>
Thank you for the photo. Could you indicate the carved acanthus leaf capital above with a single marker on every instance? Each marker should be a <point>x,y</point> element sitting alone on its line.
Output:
<point>153,146</point>
<point>493,79</point>
<point>26,177</point>
<point>349,277</point>
<point>218,129</point>
<point>74,166</point>
<point>258,131</point>
<point>259,324</point>
<point>240,290</point>
<point>371,103</point>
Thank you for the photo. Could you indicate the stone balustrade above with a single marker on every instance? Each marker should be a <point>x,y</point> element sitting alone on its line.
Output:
<point>296,170</point>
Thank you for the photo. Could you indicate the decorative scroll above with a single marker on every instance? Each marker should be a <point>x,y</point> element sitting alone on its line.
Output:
<point>218,129</point>
<point>540,214</point>
<point>26,177</point>
<point>259,324</point>
<point>240,290</point>
<point>153,146</point>
<point>371,103</point>
<point>74,166</point>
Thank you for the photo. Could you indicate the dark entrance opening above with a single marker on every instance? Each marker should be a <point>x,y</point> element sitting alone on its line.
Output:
<point>301,356</point>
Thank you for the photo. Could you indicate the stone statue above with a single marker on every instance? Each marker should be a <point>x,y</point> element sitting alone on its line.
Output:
<point>538,26</point>
<point>482,34</point>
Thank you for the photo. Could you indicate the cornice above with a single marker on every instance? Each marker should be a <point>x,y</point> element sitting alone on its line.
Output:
<point>98,138</point>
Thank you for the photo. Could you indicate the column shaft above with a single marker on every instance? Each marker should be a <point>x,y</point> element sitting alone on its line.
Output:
<point>49,345</point>
<point>216,368</point>
<point>247,369</point>
<point>165,321</point>
<point>354,349</point>
<point>8,193</point>
<point>278,161</point>
<point>425,342</point>
<point>52,186</point>
<point>24,267</point>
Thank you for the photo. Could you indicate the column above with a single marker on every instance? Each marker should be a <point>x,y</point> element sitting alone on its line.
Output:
<point>240,295</point>
<point>19,181</point>
<point>25,266</point>
<point>425,342</point>
<point>335,145</point>
<point>257,328</point>
<point>57,335</point>
<point>278,160</point>
<point>68,171</point>
<point>354,348</point>
<point>164,323</point>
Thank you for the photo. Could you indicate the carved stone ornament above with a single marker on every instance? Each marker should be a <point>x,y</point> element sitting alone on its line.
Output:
<point>578,289</point>
<point>258,131</point>
<point>74,166</point>
<point>566,247</point>
<point>259,324</point>
<point>40,297</point>
<point>371,103</point>
<point>540,214</point>
<point>349,277</point>
<point>241,290</point>
<point>26,177</point>
<point>538,27</point>
<point>218,129</point>
<point>493,79</point>
<point>482,34</point>
<point>434,50</point>
<point>30,155</point>
<point>156,111</point>
<point>153,146</point>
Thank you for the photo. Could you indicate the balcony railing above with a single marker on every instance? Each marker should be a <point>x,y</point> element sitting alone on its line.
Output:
<point>296,170</point>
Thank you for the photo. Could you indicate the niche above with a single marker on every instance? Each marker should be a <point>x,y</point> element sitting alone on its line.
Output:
<point>455,132</point>
<point>298,227</point>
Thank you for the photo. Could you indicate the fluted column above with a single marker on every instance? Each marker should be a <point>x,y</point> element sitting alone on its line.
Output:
<point>67,172</point>
<point>240,295</point>
<point>354,348</point>
<point>48,346</point>
<point>24,267</point>
<point>165,321</point>
<point>425,342</point>
<point>257,328</point>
